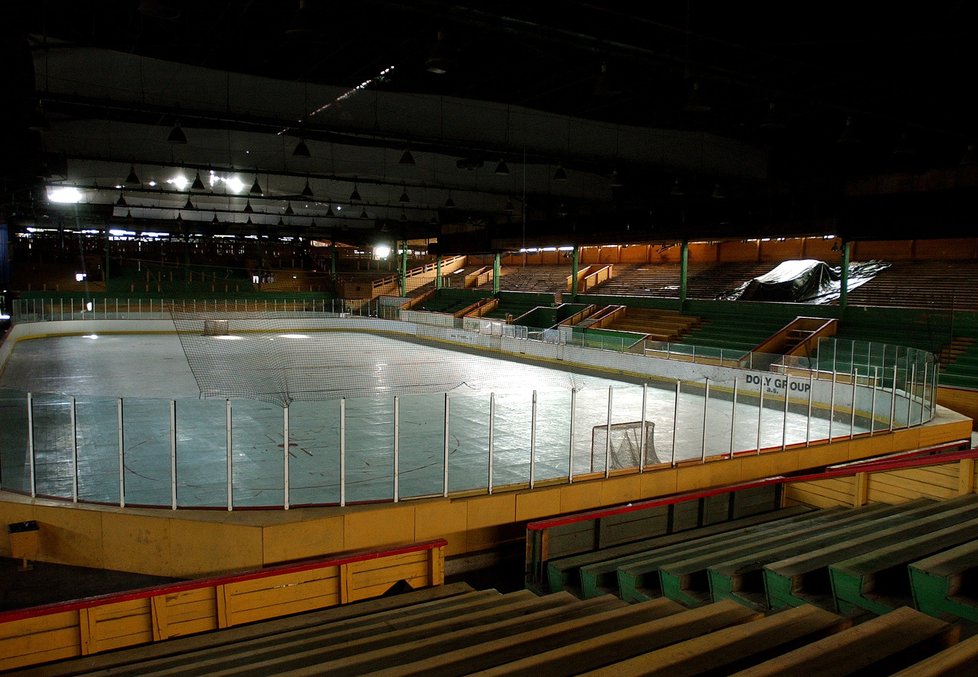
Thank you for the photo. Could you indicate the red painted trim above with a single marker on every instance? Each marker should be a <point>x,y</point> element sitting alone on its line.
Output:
<point>922,457</point>
<point>196,584</point>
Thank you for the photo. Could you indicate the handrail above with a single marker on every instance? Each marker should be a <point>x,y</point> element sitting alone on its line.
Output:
<point>880,465</point>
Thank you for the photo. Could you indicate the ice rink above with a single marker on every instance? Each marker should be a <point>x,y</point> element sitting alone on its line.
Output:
<point>174,398</point>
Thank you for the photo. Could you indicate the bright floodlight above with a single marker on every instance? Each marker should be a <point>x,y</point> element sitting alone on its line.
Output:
<point>80,276</point>
<point>179,181</point>
<point>382,251</point>
<point>234,184</point>
<point>65,195</point>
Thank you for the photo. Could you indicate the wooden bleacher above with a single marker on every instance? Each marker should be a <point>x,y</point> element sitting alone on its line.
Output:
<point>535,278</point>
<point>922,284</point>
<point>946,582</point>
<point>657,324</point>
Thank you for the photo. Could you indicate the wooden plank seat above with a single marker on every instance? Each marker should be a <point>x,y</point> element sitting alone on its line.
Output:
<point>686,579</point>
<point>601,577</point>
<point>379,630</point>
<point>600,650</point>
<point>742,578</point>
<point>451,596</point>
<point>563,573</point>
<point>878,581</point>
<point>946,582</point>
<point>733,648</point>
<point>957,659</point>
<point>538,635</point>
<point>879,646</point>
<point>785,581</point>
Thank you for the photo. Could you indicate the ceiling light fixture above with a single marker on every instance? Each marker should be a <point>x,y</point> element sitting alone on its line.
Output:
<point>329,211</point>
<point>197,185</point>
<point>121,202</point>
<point>355,195</point>
<point>301,149</point>
<point>247,207</point>
<point>189,204</point>
<point>288,209</point>
<point>363,213</point>
<point>176,134</point>
<point>502,169</point>
<point>404,196</point>
<point>132,179</point>
<point>560,176</point>
<point>449,203</point>
<point>215,220</point>
<point>256,187</point>
<point>406,157</point>
<point>307,190</point>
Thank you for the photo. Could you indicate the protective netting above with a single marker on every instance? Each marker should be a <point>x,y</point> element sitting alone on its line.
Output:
<point>626,444</point>
<point>283,357</point>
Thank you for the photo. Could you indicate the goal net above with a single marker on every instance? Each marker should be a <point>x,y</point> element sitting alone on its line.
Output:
<point>622,442</point>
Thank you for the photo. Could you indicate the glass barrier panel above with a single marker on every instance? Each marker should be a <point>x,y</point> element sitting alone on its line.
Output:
<point>258,461</point>
<point>14,450</point>
<point>369,449</point>
<point>97,431</point>
<point>468,442</point>
<point>553,434</point>
<point>201,453</point>
<point>421,445</point>
<point>53,436</point>
<point>511,438</point>
<point>314,443</point>
<point>146,428</point>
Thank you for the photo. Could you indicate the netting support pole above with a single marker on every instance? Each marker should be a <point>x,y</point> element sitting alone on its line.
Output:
<point>230,455</point>
<point>607,437</point>
<point>852,418</point>
<point>342,452</point>
<point>675,421</point>
<point>570,444</point>
<point>173,454</point>
<point>122,455</point>
<point>30,443</point>
<point>492,423</point>
<point>832,405</point>
<point>533,438</point>
<point>923,390</point>
<point>872,410</point>
<point>784,421</point>
<point>910,387</point>
<point>74,452</point>
<point>893,396</point>
<point>808,420</point>
<point>733,416</point>
<point>397,412</point>
<point>760,412</point>
<point>446,437</point>
<point>643,445</point>
<point>285,457</point>
<point>706,411</point>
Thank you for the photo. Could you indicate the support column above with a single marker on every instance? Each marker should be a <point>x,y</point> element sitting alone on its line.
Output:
<point>495,273</point>
<point>403,272</point>
<point>844,290</point>
<point>332,260</point>
<point>683,270</point>
<point>4,268</point>
<point>575,265</point>
<point>438,272</point>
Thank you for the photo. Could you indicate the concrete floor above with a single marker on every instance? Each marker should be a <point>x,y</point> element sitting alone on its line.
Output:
<point>312,371</point>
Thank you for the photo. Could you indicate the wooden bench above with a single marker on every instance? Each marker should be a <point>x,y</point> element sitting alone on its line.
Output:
<point>600,650</point>
<point>686,580</point>
<point>742,578</point>
<point>945,582</point>
<point>878,646</point>
<point>733,648</point>
<point>784,581</point>
<point>600,577</point>
<point>564,574</point>
<point>956,660</point>
<point>878,581</point>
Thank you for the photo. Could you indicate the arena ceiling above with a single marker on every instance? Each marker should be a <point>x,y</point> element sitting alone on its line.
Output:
<point>613,121</point>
